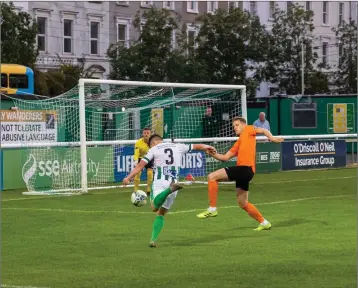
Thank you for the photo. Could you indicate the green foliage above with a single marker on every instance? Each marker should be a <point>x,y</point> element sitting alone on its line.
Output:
<point>316,83</point>
<point>230,44</point>
<point>18,36</point>
<point>146,58</point>
<point>346,76</point>
<point>58,81</point>
<point>153,57</point>
<point>290,31</point>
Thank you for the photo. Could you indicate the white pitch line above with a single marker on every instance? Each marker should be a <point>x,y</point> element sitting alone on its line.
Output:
<point>189,186</point>
<point>175,212</point>
<point>270,203</point>
<point>16,286</point>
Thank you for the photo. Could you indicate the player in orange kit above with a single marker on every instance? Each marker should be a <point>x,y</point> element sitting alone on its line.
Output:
<point>245,151</point>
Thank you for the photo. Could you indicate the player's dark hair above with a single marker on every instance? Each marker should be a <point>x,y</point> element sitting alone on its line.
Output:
<point>146,128</point>
<point>154,137</point>
<point>241,119</point>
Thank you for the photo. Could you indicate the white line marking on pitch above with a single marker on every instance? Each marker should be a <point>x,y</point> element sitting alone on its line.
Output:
<point>189,186</point>
<point>15,286</point>
<point>175,212</point>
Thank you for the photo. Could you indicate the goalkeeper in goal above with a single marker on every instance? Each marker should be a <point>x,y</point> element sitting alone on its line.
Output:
<point>140,149</point>
<point>167,161</point>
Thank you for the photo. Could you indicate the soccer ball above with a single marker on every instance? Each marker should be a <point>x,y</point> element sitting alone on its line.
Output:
<point>139,198</point>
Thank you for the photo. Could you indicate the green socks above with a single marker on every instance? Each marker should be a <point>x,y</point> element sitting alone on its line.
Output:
<point>157,227</point>
<point>161,197</point>
<point>159,220</point>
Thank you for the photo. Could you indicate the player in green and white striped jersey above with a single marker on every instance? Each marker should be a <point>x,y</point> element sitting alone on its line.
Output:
<point>167,161</point>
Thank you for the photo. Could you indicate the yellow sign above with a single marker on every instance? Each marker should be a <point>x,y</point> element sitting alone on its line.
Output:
<point>157,121</point>
<point>340,118</point>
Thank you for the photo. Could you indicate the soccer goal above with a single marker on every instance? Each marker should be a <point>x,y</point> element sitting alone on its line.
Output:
<point>95,125</point>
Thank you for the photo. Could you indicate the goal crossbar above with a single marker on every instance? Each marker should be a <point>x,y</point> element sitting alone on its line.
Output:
<point>83,81</point>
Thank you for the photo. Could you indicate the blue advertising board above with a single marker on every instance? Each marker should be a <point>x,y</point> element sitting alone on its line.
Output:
<point>193,162</point>
<point>301,155</point>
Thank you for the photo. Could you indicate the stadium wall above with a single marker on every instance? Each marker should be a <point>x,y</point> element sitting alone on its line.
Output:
<point>111,164</point>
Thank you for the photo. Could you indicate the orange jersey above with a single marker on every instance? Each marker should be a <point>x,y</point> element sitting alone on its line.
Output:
<point>245,148</point>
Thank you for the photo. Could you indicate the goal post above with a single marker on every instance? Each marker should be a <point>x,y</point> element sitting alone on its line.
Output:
<point>242,104</point>
<point>88,134</point>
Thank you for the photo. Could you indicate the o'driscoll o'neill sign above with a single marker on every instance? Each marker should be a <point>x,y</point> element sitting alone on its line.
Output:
<point>313,154</point>
<point>28,126</point>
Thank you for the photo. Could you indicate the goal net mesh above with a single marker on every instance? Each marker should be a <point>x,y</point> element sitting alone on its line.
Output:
<point>115,116</point>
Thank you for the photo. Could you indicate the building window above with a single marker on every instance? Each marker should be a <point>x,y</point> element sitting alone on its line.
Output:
<point>19,81</point>
<point>94,38</point>
<point>173,42</point>
<point>235,4</point>
<point>192,34</point>
<point>192,6</point>
<point>324,54</point>
<point>325,12</point>
<point>67,36</point>
<point>170,5</point>
<point>146,4</point>
<point>340,13</point>
<point>41,33</point>
<point>304,115</point>
<point>272,8</point>
<point>340,55</point>
<point>253,7</point>
<point>123,31</point>
<point>289,6</point>
<point>122,34</point>
<point>211,6</point>
<point>308,6</point>
<point>4,80</point>
<point>122,3</point>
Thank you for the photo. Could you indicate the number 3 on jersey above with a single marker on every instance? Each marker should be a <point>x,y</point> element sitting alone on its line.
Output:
<point>169,156</point>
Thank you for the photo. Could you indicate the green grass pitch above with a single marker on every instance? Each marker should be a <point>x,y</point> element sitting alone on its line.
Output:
<point>101,240</point>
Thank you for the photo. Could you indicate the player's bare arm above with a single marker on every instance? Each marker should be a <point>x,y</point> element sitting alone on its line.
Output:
<point>203,147</point>
<point>222,157</point>
<point>134,172</point>
<point>268,134</point>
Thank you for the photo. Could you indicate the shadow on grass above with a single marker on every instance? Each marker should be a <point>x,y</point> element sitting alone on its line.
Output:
<point>209,239</point>
<point>294,222</point>
<point>282,224</point>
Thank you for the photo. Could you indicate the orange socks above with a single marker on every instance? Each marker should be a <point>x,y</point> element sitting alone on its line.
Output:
<point>213,188</point>
<point>253,212</point>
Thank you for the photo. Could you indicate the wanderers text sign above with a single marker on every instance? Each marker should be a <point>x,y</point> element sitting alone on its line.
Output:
<point>28,126</point>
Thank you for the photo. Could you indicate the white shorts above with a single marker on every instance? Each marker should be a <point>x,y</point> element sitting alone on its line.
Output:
<point>158,187</point>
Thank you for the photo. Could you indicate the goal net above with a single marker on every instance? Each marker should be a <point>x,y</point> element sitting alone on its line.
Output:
<point>84,139</point>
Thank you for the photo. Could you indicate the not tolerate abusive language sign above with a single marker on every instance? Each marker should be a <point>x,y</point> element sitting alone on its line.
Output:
<point>28,126</point>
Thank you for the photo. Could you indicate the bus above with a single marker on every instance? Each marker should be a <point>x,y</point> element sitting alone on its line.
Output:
<point>16,79</point>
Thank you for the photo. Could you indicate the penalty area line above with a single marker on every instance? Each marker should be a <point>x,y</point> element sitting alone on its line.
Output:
<point>172,213</point>
<point>270,203</point>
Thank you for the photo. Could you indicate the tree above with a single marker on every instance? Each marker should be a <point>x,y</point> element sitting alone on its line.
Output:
<point>146,58</point>
<point>155,56</point>
<point>346,75</point>
<point>232,44</point>
<point>18,36</point>
<point>63,79</point>
<point>290,31</point>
